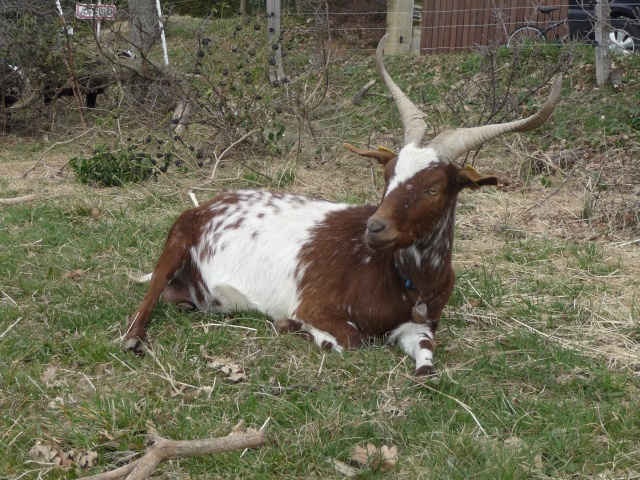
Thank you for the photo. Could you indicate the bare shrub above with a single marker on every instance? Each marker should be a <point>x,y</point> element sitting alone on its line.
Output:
<point>504,83</point>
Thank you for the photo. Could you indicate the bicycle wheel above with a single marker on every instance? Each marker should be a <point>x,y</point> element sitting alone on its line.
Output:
<point>525,35</point>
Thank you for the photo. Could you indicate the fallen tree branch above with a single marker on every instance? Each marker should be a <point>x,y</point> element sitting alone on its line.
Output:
<point>358,97</point>
<point>14,200</point>
<point>160,449</point>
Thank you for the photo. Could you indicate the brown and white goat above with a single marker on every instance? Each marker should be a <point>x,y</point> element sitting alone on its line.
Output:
<point>335,273</point>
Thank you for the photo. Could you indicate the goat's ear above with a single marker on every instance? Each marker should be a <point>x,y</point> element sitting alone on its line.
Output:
<point>382,155</point>
<point>470,178</point>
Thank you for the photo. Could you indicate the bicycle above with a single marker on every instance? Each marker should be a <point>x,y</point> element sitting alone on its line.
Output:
<point>532,34</point>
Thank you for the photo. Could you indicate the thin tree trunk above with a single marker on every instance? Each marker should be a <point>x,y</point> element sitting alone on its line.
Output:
<point>144,28</point>
<point>276,73</point>
<point>243,10</point>
<point>603,27</point>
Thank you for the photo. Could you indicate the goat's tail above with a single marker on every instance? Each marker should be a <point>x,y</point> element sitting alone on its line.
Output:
<point>139,278</point>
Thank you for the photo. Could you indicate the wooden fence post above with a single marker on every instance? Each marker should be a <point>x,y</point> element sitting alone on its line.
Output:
<point>274,13</point>
<point>603,28</point>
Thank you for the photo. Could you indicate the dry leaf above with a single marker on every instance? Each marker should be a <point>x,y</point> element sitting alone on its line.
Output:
<point>391,404</point>
<point>513,442</point>
<point>56,403</point>
<point>343,468</point>
<point>49,375</point>
<point>368,455</point>
<point>177,391</point>
<point>537,461</point>
<point>86,459</point>
<point>226,365</point>
<point>46,453</point>
<point>396,408</point>
<point>73,274</point>
<point>206,390</point>
<point>237,377</point>
<point>382,459</point>
<point>388,458</point>
<point>51,454</point>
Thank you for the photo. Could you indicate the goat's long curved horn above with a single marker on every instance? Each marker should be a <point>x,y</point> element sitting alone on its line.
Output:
<point>452,143</point>
<point>382,155</point>
<point>410,115</point>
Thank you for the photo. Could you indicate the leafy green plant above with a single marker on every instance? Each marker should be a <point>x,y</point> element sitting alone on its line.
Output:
<point>634,118</point>
<point>108,167</point>
<point>273,138</point>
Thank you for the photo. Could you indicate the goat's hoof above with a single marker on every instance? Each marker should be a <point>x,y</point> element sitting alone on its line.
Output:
<point>186,306</point>
<point>287,325</point>
<point>425,371</point>
<point>134,345</point>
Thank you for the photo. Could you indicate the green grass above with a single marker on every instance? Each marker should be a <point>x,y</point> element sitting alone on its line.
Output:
<point>537,351</point>
<point>543,405</point>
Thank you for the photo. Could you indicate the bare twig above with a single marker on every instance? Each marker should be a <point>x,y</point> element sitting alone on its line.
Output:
<point>10,327</point>
<point>14,200</point>
<point>227,325</point>
<point>358,97</point>
<point>160,449</point>
<point>39,162</point>
<point>215,167</point>
<point>462,404</point>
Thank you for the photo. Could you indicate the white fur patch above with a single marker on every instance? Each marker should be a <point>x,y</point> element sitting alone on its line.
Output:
<point>411,160</point>
<point>320,337</point>
<point>139,278</point>
<point>408,336</point>
<point>248,255</point>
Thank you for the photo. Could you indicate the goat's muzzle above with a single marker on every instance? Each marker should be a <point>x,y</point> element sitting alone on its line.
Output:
<point>380,234</point>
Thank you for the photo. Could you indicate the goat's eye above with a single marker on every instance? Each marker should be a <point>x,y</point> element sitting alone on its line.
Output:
<point>433,191</point>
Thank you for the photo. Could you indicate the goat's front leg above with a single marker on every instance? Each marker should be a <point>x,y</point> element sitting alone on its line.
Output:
<point>417,341</point>
<point>336,335</point>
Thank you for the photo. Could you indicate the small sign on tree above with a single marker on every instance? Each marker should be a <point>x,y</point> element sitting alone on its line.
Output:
<point>94,11</point>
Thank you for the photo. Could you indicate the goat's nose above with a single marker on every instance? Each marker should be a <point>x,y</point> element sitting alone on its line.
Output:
<point>375,225</point>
